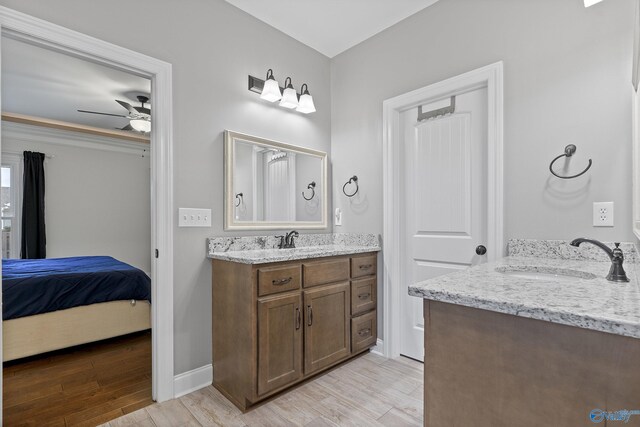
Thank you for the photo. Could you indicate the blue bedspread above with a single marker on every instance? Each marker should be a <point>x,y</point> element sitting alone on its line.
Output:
<point>34,286</point>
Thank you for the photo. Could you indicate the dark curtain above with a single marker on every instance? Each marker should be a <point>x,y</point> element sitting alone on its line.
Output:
<point>33,233</point>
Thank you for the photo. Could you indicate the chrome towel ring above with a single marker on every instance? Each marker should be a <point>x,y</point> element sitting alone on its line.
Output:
<point>312,187</point>
<point>569,151</point>
<point>353,179</point>
<point>240,199</point>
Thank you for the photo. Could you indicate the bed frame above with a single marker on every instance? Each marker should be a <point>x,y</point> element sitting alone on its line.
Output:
<point>31,335</point>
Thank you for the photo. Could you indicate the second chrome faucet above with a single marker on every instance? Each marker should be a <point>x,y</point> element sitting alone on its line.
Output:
<point>616,272</point>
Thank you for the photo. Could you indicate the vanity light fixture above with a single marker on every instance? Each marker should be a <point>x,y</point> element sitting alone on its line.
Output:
<point>305,104</point>
<point>271,89</point>
<point>289,96</point>
<point>588,3</point>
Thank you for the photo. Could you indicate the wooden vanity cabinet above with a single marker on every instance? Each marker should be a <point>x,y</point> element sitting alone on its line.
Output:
<point>277,324</point>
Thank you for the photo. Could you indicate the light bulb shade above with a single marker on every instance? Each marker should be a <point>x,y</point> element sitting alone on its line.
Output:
<point>305,105</point>
<point>271,88</point>
<point>289,96</point>
<point>141,125</point>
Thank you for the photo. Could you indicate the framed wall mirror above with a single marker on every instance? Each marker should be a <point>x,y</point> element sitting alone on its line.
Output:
<point>272,185</point>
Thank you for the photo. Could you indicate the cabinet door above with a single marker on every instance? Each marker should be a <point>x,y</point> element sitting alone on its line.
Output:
<point>327,330</point>
<point>279,341</point>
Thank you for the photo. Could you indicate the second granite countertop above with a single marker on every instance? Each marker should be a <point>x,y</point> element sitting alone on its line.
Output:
<point>590,303</point>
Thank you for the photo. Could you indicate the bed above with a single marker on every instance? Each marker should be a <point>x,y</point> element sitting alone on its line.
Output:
<point>50,304</point>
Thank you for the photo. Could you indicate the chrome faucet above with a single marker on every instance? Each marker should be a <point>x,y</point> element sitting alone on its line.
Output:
<point>289,241</point>
<point>616,272</point>
<point>282,243</point>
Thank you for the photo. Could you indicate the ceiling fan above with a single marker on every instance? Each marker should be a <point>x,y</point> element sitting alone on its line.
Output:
<point>139,117</point>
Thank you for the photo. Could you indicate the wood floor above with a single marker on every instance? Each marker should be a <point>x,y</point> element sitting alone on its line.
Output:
<point>86,385</point>
<point>366,392</point>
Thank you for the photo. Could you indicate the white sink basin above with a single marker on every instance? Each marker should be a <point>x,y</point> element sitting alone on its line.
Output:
<point>548,274</point>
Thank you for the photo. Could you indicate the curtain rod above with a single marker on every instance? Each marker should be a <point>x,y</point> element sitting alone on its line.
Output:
<point>19,153</point>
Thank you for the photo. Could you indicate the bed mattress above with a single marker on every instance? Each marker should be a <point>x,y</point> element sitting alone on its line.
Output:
<point>35,286</point>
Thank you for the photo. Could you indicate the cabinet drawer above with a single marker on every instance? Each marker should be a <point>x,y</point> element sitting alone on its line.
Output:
<point>363,266</point>
<point>272,280</point>
<point>363,295</point>
<point>363,332</point>
<point>321,272</point>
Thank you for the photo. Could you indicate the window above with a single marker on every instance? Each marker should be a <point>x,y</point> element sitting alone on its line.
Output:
<point>10,201</point>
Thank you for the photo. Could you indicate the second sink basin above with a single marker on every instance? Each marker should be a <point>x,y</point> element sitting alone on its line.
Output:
<point>548,274</point>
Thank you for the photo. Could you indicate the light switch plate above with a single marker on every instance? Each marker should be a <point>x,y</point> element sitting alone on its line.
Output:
<point>189,217</point>
<point>603,214</point>
<point>337,217</point>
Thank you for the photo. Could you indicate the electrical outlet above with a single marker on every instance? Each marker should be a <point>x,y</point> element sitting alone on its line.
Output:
<point>188,217</point>
<point>603,214</point>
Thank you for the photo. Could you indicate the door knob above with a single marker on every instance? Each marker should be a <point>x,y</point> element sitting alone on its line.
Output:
<point>481,250</point>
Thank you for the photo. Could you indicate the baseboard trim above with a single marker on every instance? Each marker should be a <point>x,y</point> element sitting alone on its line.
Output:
<point>378,349</point>
<point>193,380</point>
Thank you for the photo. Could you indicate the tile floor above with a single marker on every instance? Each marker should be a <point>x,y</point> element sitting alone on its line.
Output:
<point>368,391</point>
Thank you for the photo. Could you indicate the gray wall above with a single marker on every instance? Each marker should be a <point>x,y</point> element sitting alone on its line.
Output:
<point>106,212</point>
<point>567,74</point>
<point>213,47</point>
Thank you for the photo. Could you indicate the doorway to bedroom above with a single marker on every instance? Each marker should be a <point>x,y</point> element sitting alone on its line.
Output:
<point>105,205</point>
<point>76,238</point>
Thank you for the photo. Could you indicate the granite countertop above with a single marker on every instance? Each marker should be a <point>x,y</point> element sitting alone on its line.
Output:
<point>591,303</point>
<point>263,249</point>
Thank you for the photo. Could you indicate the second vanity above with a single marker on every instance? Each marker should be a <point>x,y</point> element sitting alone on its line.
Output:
<point>536,338</point>
<point>281,316</point>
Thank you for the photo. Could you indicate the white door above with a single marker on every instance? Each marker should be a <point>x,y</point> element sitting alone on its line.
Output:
<point>445,200</point>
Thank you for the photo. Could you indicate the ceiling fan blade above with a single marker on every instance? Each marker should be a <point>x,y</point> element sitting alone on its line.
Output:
<point>103,114</point>
<point>127,106</point>
<point>127,127</point>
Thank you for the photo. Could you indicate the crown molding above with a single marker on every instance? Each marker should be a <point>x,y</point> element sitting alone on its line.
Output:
<point>20,132</point>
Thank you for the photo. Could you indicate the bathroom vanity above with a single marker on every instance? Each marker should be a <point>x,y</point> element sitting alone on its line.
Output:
<point>281,316</point>
<point>540,338</point>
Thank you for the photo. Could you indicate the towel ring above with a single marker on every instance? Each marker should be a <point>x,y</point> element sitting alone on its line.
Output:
<point>353,179</point>
<point>569,151</point>
<point>240,199</point>
<point>312,187</point>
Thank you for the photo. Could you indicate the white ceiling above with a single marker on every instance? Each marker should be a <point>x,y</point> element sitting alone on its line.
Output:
<point>43,83</point>
<point>331,26</point>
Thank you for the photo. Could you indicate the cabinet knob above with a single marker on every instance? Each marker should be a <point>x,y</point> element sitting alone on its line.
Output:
<point>481,250</point>
<point>364,296</point>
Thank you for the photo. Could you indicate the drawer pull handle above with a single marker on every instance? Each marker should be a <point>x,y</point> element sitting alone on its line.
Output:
<point>309,316</point>
<point>298,318</point>
<point>365,266</point>
<point>279,282</point>
<point>364,332</point>
<point>364,296</point>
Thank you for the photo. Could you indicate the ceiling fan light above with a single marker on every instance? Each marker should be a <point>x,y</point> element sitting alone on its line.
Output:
<point>290,96</point>
<point>271,88</point>
<point>305,105</point>
<point>141,125</point>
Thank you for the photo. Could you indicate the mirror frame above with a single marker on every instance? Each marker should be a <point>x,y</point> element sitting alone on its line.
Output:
<point>229,156</point>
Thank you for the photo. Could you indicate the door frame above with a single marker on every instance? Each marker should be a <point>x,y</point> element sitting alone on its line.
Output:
<point>41,33</point>
<point>491,77</point>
